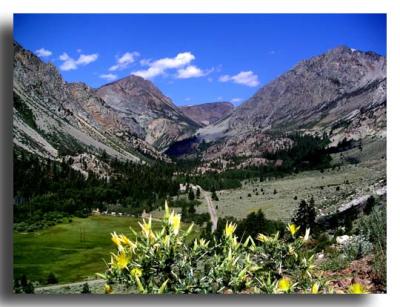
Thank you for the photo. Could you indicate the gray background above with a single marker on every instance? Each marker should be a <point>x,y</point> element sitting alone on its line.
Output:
<point>6,249</point>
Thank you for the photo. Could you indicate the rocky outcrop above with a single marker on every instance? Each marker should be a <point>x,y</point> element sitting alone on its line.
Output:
<point>342,92</point>
<point>208,113</point>
<point>68,117</point>
<point>150,115</point>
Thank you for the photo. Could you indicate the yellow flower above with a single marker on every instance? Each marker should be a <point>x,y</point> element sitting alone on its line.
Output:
<point>121,260</point>
<point>107,289</point>
<point>175,222</point>
<point>166,240</point>
<point>293,229</point>
<point>357,288</point>
<point>263,238</point>
<point>146,228</point>
<point>136,272</point>
<point>166,214</point>
<point>284,284</point>
<point>230,229</point>
<point>115,239</point>
<point>315,288</point>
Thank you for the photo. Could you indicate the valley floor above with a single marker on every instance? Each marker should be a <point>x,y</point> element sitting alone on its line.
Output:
<point>330,189</point>
<point>74,251</point>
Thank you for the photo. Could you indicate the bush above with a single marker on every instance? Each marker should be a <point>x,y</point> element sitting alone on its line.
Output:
<point>52,279</point>
<point>191,194</point>
<point>86,288</point>
<point>166,261</point>
<point>357,247</point>
<point>23,285</point>
<point>373,228</point>
<point>214,196</point>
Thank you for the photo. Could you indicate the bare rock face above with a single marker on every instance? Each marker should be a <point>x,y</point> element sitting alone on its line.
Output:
<point>68,116</point>
<point>341,92</point>
<point>320,90</point>
<point>208,113</point>
<point>151,115</point>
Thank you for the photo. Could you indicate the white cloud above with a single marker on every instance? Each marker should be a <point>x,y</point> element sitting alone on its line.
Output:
<point>124,61</point>
<point>224,78</point>
<point>86,59</point>
<point>149,73</point>
<point>145,62</point>
<point>190,72</point>
<point>43,52</point>
<point>70,63</point>
<point>109,77</point>
<point>236,100</point>
<point>158,67</point>
<point>247,78</point>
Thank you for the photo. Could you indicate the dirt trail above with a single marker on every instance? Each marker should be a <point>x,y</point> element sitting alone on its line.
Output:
<point>211,209</point>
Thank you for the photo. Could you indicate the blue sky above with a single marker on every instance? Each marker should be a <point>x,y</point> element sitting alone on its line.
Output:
<point>192,58</point>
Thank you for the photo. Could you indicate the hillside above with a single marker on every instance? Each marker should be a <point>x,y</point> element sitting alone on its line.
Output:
<point>208,113</point>
<point>150,115</point>
<point>53,118</point>
<point>341,92</point>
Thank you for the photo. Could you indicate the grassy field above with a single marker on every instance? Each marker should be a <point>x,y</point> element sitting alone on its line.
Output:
<point>72,251</point>
<point>329,189</point>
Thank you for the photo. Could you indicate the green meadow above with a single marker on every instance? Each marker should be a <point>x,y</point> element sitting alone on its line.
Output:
<point>72,251</point>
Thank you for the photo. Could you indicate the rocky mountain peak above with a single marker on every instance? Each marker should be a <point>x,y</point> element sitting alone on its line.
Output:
<point>342,91</point>
<point>208,113</point>
<point>152,115</point>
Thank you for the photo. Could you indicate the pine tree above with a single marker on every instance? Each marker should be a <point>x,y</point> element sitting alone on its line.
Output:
<point>198,193</point>
<point>305,215</point>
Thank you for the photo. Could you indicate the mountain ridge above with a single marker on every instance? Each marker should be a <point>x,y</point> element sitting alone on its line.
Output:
<point>209,112</point>
<point>314,96</point>
<point>151,114</point>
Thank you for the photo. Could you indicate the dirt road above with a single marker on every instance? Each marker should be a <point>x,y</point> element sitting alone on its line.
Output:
<point>211,209</point>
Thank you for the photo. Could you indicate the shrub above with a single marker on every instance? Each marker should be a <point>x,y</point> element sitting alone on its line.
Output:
<point>166,261</point>
<point>198,193</point>
<point>357,247</point>
<point>23,285</point>
<point>214,196</point>
<point>191,194</point>
<point>52,279</point>
<point>373,228</point>
<point>86,288</point>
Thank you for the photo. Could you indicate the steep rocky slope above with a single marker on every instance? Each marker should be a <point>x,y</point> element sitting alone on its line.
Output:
<point>53,118</point>
<point>342,92</point>
<point>150,115</point>
<point>208,113</point>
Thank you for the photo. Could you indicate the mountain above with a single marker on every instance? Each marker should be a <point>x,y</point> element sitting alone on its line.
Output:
<point>208,113</point>
<point>53,118</point>
<point>341,92</point>
<point>151,115</point>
